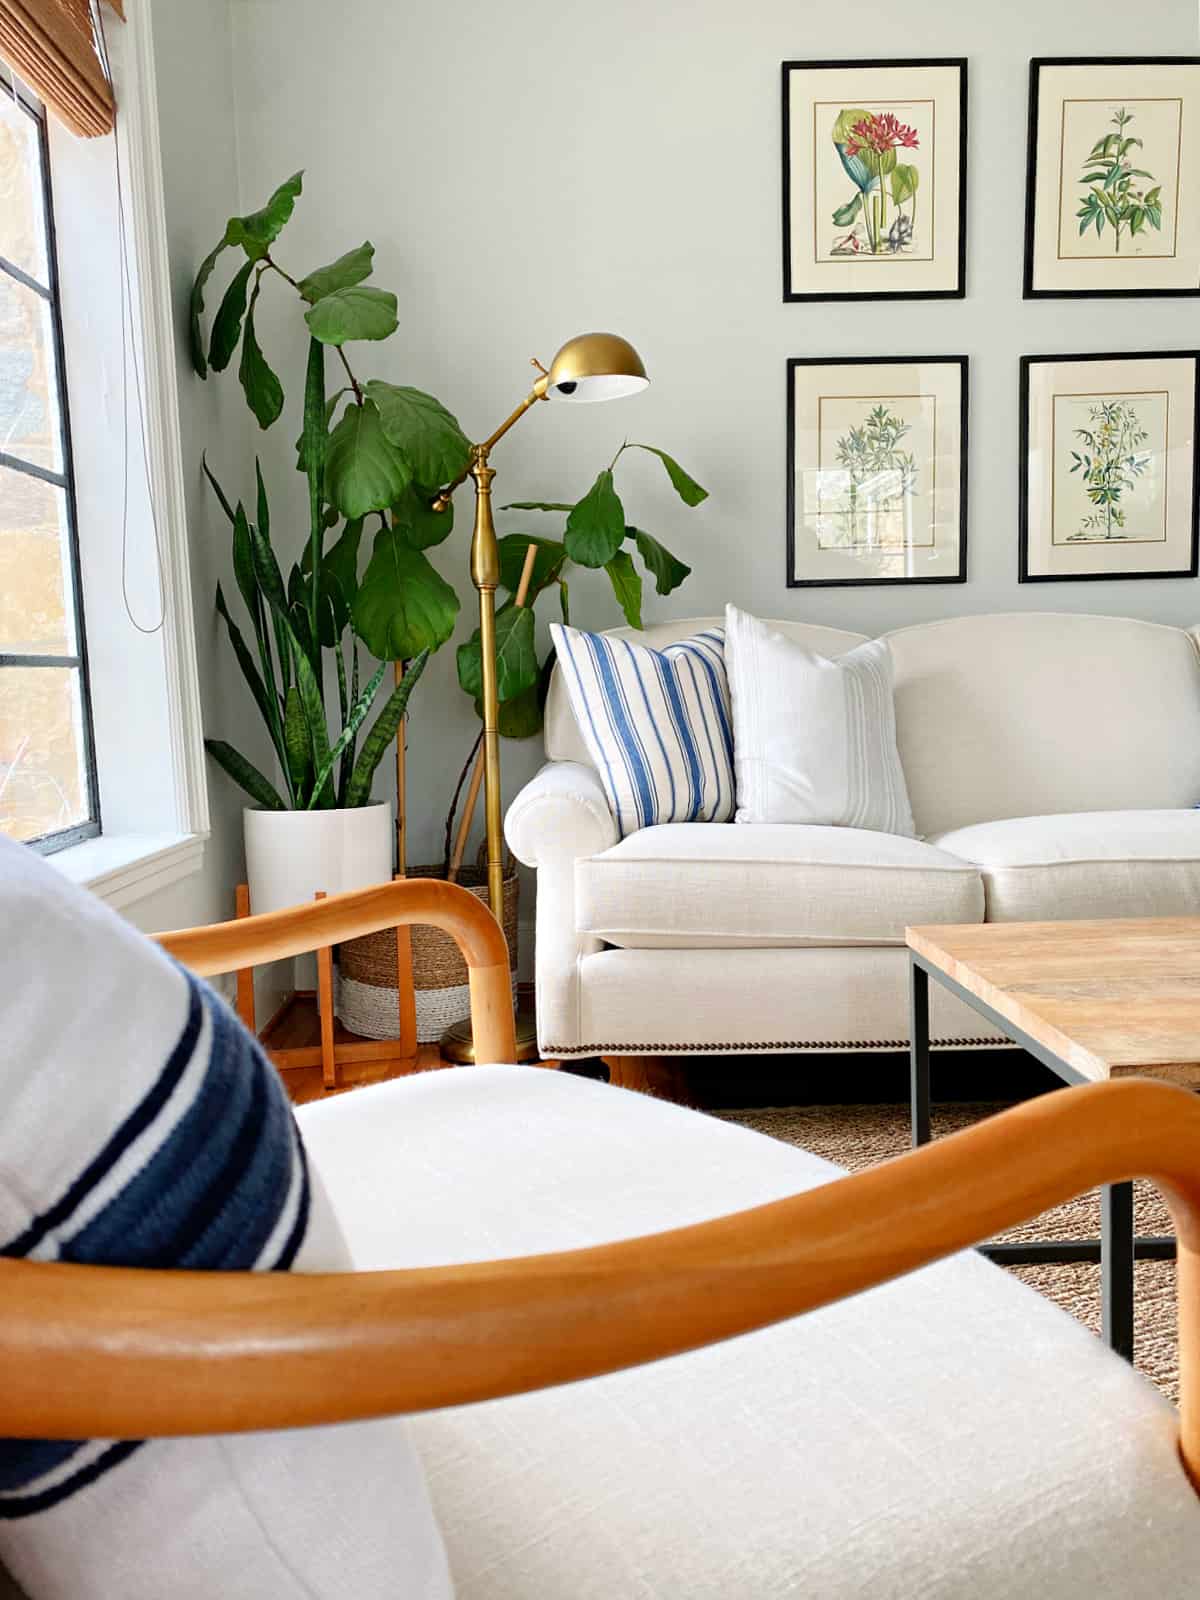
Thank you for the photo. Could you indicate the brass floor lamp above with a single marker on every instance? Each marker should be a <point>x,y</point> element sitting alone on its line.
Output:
<point>590,367</point>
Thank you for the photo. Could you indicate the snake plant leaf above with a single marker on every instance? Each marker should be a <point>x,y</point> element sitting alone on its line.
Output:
<point>905,182</point>
<point>338,581</point>
<point>516,657</point>
<point>348,754</point>
<point>363,470</point>
<point>353,722</point>
<point>343,273</point>
<point>426,434</point>
<point>312,704</point>
<point>845,215</point>
<point>217,489</point>
<point>262,698</point>
<point>330,408</point>
<point>227,324</point>
<point>257,232</point>
<point>196,310</point>
<point>353,313</point>
<point>245,774</point>
<point>297,748</point>
<point>668,571</point>
<point>547,564</point>
<point>403,605</point>
<point>383,731</point>
<point>684,485</point>
<point>596,524</point>
<point>266,567</point>
<point>264,392</point>
<point>626,581</point>
<point>537,505</point>
<point>415,520</point>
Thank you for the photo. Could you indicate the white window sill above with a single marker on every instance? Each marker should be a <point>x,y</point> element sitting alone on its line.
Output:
<point>124,868</point>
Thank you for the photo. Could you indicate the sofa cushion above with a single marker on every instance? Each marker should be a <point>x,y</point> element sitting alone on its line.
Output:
<point>951,1434</point>
<point>1086,864</point>
<point>692,886</point>
<point>142,1126</point>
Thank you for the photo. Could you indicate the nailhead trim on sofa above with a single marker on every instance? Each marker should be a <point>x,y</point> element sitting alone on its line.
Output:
<point>756,1047</point>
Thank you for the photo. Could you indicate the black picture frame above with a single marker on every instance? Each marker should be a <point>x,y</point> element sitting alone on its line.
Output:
<point>964,365</point>
<point>1026,363</point>
<point>792,297</point>
<point>1035,69</point>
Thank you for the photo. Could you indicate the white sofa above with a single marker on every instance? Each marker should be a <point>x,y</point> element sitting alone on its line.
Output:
<point>1052,762</point>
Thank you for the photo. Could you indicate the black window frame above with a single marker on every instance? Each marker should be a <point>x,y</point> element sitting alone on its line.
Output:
<point>48,843</point>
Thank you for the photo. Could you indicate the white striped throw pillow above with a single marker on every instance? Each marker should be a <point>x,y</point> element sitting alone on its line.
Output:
<point>142,1126</point>
<point>656,723</point>
<point>815,739</point>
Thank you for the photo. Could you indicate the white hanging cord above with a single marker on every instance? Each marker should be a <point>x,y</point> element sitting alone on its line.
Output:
<point>128,356</point>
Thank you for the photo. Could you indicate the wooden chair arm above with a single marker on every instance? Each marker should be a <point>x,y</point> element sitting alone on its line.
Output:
<point>275,935</point>
<point>109,1352</point>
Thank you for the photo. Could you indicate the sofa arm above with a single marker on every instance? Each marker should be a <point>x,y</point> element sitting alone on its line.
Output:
<point>559,818</point>
<point>561,814</point>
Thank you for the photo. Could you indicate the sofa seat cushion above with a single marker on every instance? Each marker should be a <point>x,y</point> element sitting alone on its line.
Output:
<point>1086,864</point>
<point>694,886</point>
<point>950,1434</point>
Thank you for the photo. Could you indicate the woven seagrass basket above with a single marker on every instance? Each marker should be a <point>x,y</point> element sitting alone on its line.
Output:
<point>366,998</point>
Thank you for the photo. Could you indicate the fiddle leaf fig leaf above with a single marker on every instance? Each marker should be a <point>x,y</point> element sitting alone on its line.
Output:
<point>227,324</point>
<point>363,471</point>
<point>684,485</point>
<point>264,392</point>
<point>627,586</point>
<point>343,273</point>
<point>547,564</point>
<point>355,313</point>
<point>421,428</point>
<point>418,524</point>
<point>403,605</point>
<point>196,310</point>
<point>516,657</point>
<point>596,525</point>
<point>668,571</point>
<point>257,232</point>
<point>520,717</point>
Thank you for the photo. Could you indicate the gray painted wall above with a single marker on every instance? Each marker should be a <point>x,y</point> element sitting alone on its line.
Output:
<point>531,170</point>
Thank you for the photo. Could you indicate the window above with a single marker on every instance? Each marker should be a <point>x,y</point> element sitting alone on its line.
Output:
<point>48,789</point>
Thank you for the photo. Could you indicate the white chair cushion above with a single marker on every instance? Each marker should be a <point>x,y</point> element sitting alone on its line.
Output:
<point>1089,864</point>
<point>143,1127</point>
<point>814,738</point>
<point>950,1435</point>
<point>692,887</point>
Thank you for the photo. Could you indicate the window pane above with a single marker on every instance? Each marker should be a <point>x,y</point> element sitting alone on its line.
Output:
<point>29,423</point>
<point>36,614</point>
<point>22,228</point>
<point>43,787</point>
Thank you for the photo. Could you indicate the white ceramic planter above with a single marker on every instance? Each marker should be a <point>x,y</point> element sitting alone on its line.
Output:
<point>292,854</point>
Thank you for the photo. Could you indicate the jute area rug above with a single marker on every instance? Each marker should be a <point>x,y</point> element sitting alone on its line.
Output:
<point>858,1136</point>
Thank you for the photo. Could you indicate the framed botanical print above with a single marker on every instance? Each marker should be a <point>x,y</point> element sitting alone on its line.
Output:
<point>876,470</point>
<point>1114,169</point>
<point>874,179</point>
<point>1109,486</point>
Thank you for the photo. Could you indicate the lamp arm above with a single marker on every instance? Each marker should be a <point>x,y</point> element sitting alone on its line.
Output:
<point>480,451</point>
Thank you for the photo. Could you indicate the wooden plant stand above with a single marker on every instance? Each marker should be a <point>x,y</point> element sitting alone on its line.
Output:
<point>304,1032</point>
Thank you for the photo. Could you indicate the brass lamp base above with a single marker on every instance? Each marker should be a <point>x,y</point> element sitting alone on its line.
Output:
<point>458,1046</point>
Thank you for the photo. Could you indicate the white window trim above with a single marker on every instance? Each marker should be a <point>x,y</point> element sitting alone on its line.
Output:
<point>126,868</point>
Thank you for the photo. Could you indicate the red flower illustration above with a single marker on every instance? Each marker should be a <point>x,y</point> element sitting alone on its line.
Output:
<point>881,133</point>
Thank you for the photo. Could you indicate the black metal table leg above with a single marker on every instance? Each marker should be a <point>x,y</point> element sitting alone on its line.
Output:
<point>1116,1266</point>
<point>918,1051</point>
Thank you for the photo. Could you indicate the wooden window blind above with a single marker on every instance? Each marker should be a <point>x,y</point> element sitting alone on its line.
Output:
<point>51,45</point>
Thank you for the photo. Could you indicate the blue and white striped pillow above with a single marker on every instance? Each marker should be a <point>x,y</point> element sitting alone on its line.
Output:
<point>657,724</point>
<point>141,1125</point>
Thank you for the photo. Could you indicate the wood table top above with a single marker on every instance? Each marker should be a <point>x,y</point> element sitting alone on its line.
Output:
<point>1111,998</point>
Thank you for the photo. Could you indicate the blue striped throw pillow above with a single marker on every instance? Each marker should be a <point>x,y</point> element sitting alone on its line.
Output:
<point>142,1126</point>
<point>657,724</point>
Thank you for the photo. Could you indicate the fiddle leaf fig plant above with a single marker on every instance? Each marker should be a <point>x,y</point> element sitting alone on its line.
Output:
<point>374,455</point>
<point>596,534</point>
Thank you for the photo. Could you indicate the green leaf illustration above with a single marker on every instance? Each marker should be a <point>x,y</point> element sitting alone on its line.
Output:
<point>845,215</point>
<point>905,182</point>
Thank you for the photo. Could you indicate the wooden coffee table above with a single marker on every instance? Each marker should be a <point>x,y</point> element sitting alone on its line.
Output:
<point>1090,1000</point>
